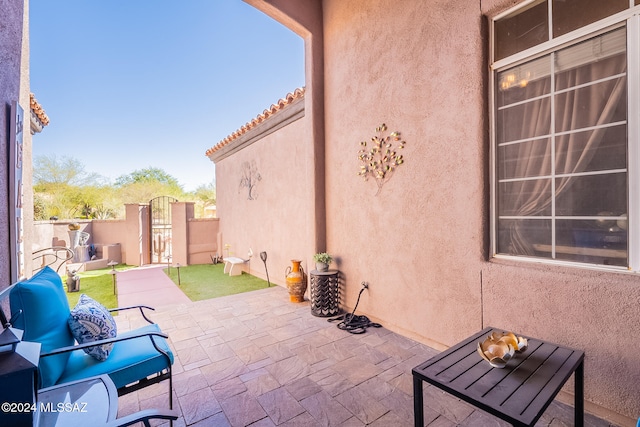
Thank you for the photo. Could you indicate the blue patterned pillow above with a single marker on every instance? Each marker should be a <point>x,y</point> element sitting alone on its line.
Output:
<point>91,321</point>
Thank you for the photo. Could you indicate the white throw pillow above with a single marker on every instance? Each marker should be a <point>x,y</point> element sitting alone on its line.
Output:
<point>90,321</point>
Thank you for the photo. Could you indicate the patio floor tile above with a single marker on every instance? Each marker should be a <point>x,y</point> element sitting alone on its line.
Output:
<point>242,410</point>
<point>257,359</point>
<point>280,405</point>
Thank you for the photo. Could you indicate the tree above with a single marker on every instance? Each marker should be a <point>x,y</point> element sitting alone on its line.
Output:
<point>64,170</point>
<point>149,174</point>
<point>204,196</point>
<point>142,185</point>
<point>143,192</point>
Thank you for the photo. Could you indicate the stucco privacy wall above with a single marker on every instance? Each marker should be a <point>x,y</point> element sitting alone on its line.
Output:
<point>419,242</point>
<point>422,243</point>
<point>276,219</point>
<point>11,36</point>
<point>27,152</point>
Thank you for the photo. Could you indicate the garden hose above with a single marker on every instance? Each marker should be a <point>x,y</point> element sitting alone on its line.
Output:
<point>355,324</point>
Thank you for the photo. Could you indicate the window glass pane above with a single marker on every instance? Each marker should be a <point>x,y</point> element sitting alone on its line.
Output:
<point>592,82</point>
<point>569,15</point>
<point>593,59</point>
<point>525,198</point>
<point>592,241</point>
<point>525,81</point>
<point>582,184</point>
<point>593,105</point>
<point>524,236</point>
<point>516,122</point>
<point>524,29</point>
<point>591,195</point>
<point>525,159</point>
<point>578,152</point>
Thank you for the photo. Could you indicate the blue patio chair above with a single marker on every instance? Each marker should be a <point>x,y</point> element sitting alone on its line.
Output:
<point>40,308</point>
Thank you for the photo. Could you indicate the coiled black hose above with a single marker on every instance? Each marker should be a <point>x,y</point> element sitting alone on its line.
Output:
<point>352,323</point>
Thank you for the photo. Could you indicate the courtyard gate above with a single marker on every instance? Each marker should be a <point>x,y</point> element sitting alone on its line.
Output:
<point>160,229</point>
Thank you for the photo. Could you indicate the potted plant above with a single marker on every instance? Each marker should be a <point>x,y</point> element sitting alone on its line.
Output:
<point>322,260</point>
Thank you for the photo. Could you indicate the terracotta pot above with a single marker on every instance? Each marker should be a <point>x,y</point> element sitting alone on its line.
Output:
<point>296,281</point>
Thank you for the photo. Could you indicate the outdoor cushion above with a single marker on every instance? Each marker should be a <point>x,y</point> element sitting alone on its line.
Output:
<point>129,360</point>
<point>90,321</point>
<point>45,310</point>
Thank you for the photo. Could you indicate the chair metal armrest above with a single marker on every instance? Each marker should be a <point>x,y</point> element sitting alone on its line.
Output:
<point>67,349</point>
<point>133,307</point>
<point>144,417</point>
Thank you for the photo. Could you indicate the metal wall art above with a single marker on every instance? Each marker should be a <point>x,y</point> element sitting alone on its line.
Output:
<point>380,158</point>
<point>249,179</point>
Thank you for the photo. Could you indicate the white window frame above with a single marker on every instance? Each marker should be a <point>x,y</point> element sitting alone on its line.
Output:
<point>631,19</point>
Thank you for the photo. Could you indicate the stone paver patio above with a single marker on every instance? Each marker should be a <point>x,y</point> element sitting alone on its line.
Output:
<point>257,359</point>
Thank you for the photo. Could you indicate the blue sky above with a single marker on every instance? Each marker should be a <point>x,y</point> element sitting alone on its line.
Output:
<point>130,84</point>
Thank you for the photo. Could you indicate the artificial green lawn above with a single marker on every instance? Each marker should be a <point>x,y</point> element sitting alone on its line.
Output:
<point>206,281</point>
<point>198,282</point>
<point>98,284</point>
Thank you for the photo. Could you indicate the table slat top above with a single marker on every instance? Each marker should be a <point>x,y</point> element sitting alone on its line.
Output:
<point>522,390</point>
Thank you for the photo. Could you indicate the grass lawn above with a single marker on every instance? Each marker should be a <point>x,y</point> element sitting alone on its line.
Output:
<point>98,284</point>
<point>208,281</point>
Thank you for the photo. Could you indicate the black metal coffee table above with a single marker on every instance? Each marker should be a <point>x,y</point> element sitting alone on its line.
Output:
<point>519,393</point>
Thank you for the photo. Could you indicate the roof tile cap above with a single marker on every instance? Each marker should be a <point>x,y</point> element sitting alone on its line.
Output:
<point>260,118</point>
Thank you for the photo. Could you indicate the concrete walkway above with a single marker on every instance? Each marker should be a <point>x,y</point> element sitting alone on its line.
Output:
<point>148,285</point>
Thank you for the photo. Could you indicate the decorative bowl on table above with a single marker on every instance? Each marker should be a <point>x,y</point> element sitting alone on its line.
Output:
<point>499,347</point>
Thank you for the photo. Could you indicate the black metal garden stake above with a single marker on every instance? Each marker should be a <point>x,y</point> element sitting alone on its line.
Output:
<point>263,257</point>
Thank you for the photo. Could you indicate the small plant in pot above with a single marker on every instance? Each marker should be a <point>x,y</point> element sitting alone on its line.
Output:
<point>322,260</point>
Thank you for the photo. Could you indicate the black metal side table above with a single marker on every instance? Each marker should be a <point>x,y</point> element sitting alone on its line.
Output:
<point>325,293</point>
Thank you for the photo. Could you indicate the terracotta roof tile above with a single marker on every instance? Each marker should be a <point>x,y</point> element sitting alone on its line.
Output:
<point>38,110</point>
<point>273,109</point>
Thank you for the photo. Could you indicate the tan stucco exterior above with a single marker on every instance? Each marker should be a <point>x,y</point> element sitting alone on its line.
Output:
<point>277,218</point>
<point>422,243</point>
<point>194,241</point>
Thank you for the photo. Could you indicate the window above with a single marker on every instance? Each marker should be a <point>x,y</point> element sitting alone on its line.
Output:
<point>560,130</point>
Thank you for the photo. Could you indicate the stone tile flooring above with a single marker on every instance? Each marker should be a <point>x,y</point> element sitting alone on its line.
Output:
<point>256,359</point>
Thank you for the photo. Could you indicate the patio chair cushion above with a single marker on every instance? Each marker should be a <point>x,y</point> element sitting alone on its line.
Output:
<point>90,321</point>
<point>40,308</point>
<point>129,360</point>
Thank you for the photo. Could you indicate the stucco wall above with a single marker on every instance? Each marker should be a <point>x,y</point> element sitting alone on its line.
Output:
<point>203,238</point>
<point>422,242</point>
<point>278,219</point>
<point>10,58</point>
<point>27,164</point>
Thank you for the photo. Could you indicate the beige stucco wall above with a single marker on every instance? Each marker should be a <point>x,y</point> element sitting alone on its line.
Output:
<point>108,231</point>
<point>203,236</point>
<point>56,233</point>
<point>277,220</point>
<point>11,38</point>
<point>422,243</point>
<point>195,240</point>
<point>27,165</point>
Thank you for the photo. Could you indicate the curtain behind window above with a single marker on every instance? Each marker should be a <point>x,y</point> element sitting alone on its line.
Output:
<point>587,95</point>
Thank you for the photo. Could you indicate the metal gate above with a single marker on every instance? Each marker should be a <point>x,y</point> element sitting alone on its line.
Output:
<point>160,229</point>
